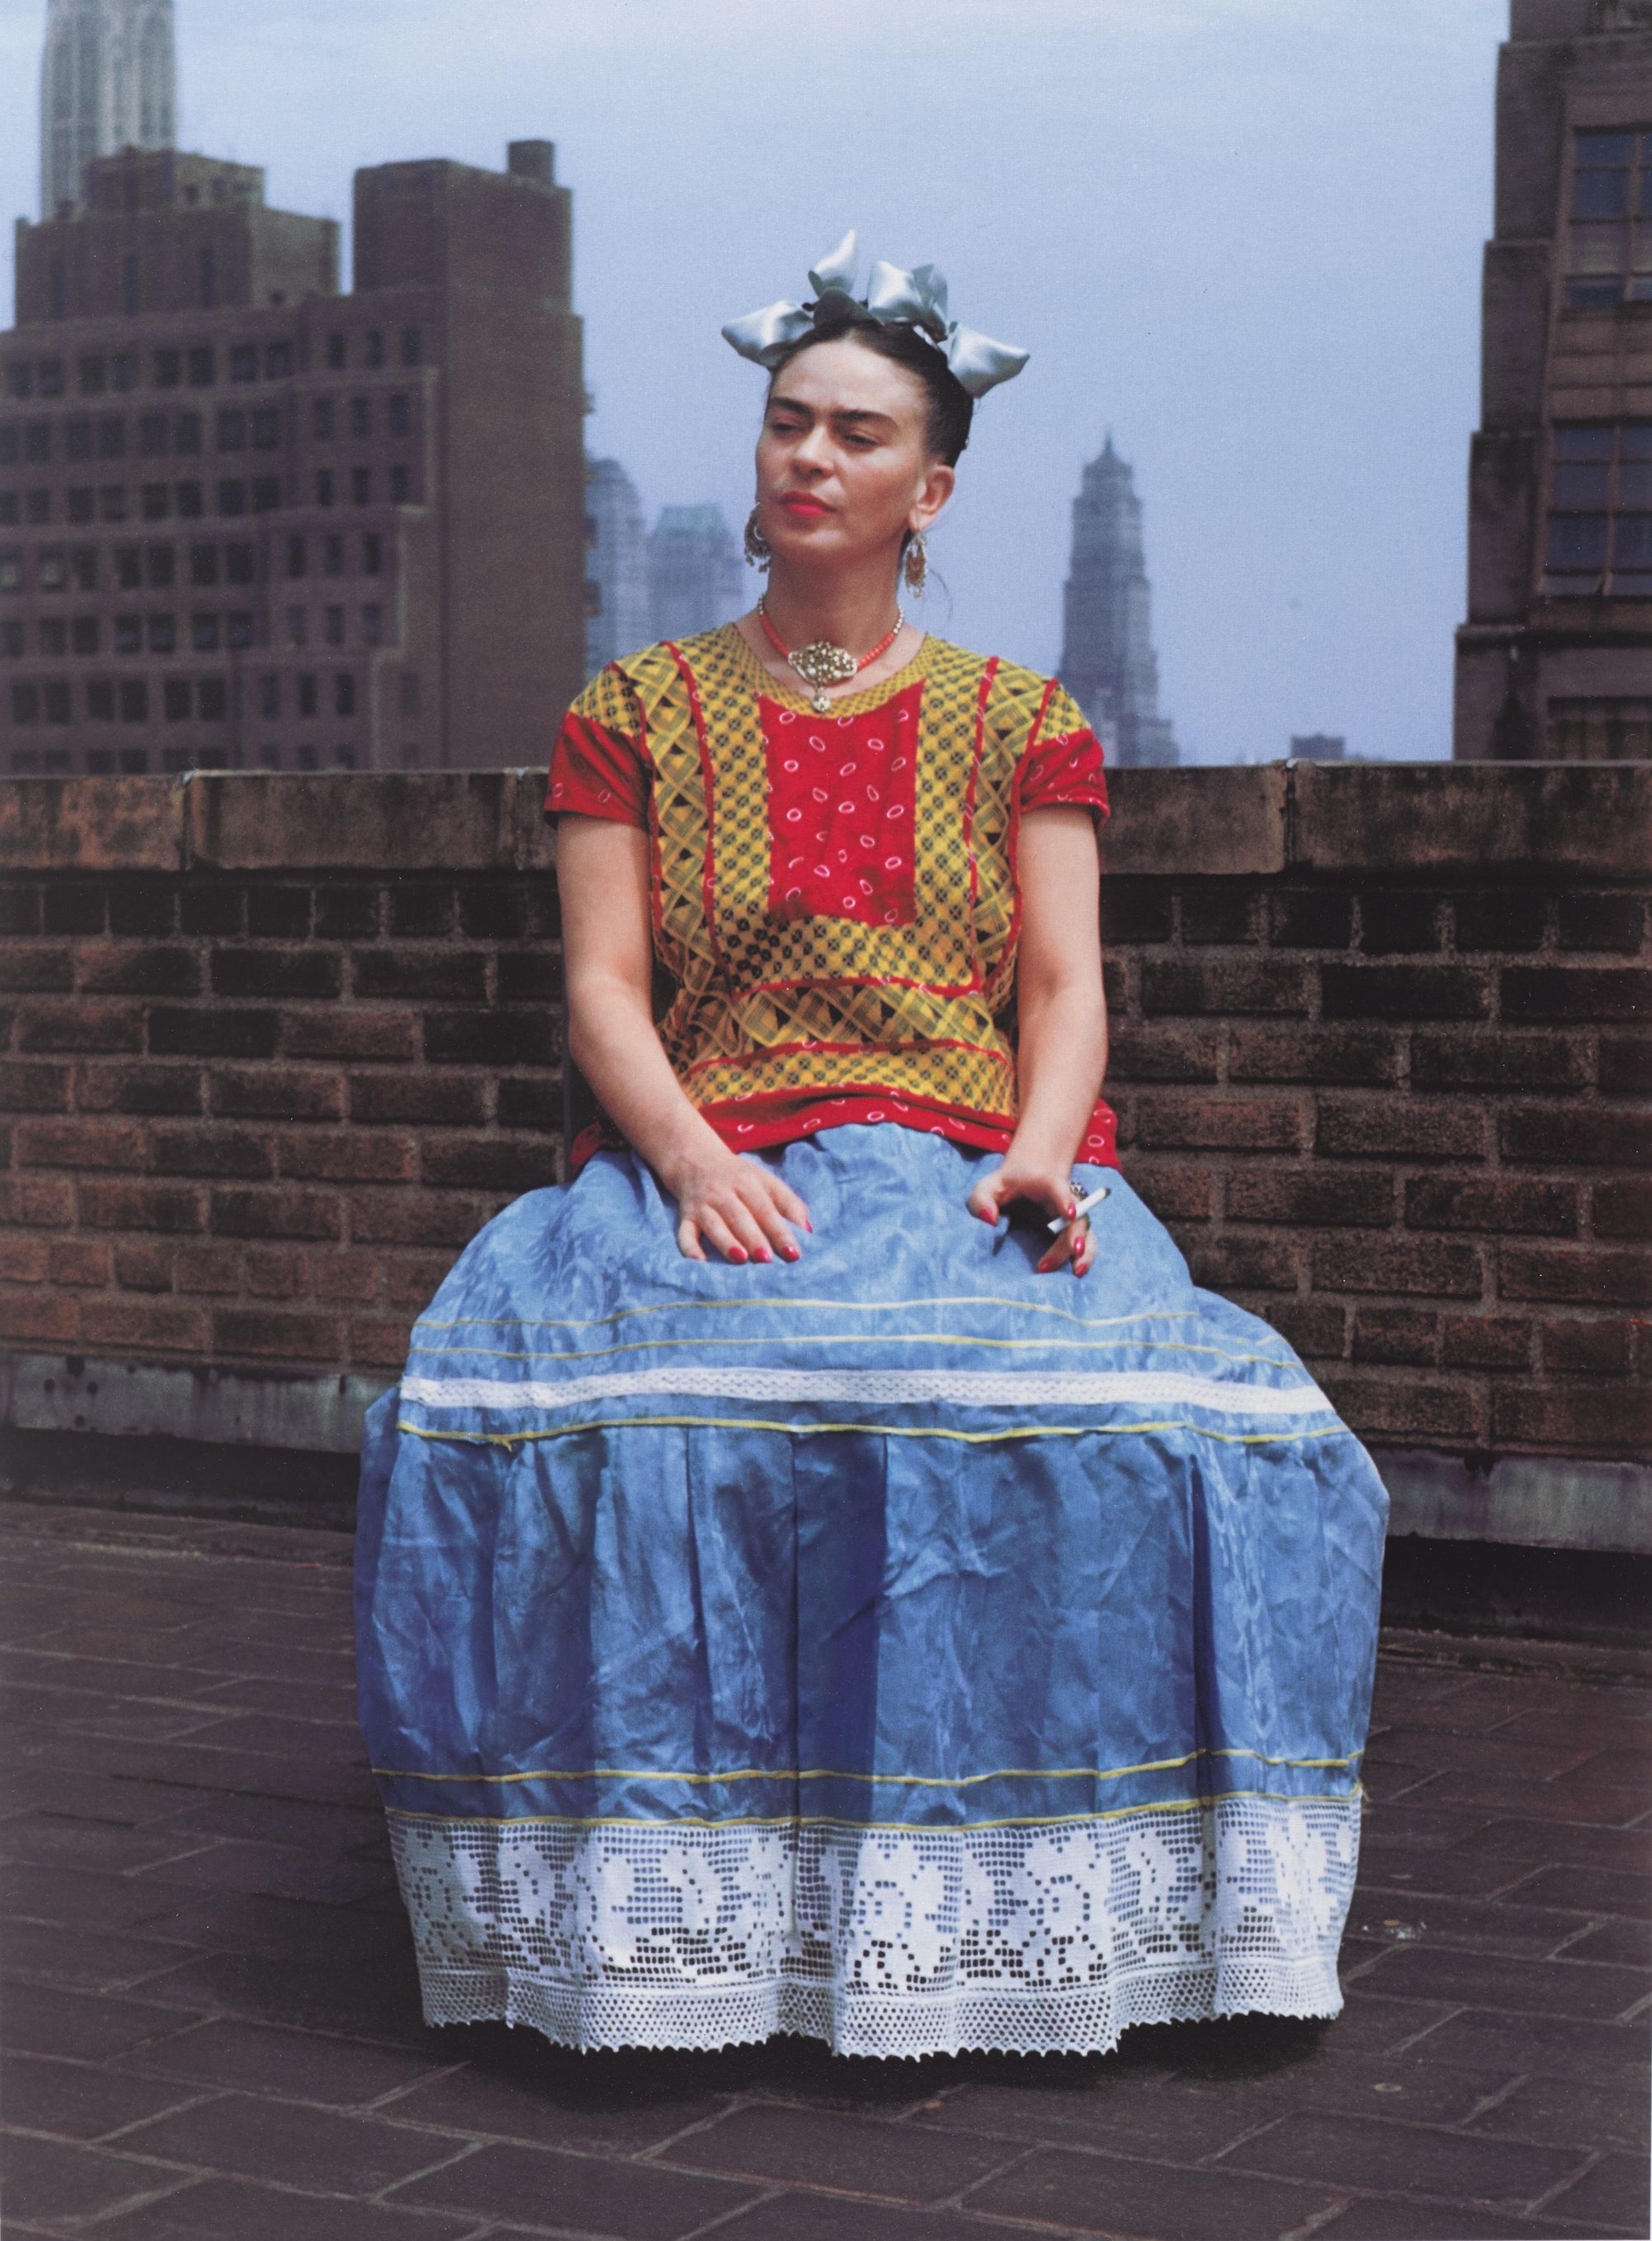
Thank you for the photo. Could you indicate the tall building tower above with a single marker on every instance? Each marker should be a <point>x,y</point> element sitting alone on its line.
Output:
<point>1107,661</point>
<point>694,572</point>
<point>619,618</point>
<point>107,80</point>
<point>1554,661</point>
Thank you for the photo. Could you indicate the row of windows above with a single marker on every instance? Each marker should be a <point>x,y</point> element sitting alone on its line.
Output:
<point>154,566</point>
<point>179,699</point>
<point>111,502</point>
<point>1599,538</point>
<point>1608,249</point>
<point>133,762</point>
<point>198,363</point>
<point>103,435</point>
<point>207,630</point>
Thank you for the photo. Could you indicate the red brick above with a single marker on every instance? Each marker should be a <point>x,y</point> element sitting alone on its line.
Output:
<point>1218,911</point>
<point>415,1217</point>
<point>276,973</point>
<point>379,1342</point>
<point>1576,991</point>
<point>1396,1335</point>
<point>440,976</point>
<point>37,1201</point>
<point>1600,922</point>
<point>81,1027</point>
<point>535,1102</point>
<point>421,910</point>
<point>1403,1408</point>
<point>212,1152</point>
<point>126,971</point>
<point>276,1092</point>
<point>496,1163</point>
<point>1586,1345</point>
<point>79,1144</point>
<point>1599,1275</point>
<point>269,1332</point>
<point>357,1156</point>
<point>147,1089</point>
<point>1310,1196</point>
<point>1482,1058</point>
<point>1399,1128</point>
<point>347,1277</point>
<point>492,1038</point>
<point>1224,984</point>
<point>39,1317</point>
<point>22,1259</point>
<point>1573,1417</point>
<point>278,912</point>
<point>1136,1053</point>
<point>1317,1328</point>
<point>210,1031</point>
<point>1235,1262</point>
<point>277,1214</point>
<point>352,915</point>
<point>1582,1136</point>
<point>146,1267</point>
<point>1312,918</point>
<point>439,1101</point>
<point>1500,917</point>
<point>174,1209</point>
<point>1186,1121</point>
<point>37,971</point>
<point>1365,1055</point>
<point>1174,1192</point>
<point>1535,1209</point>
<point>208,1268</point>
<point>80,1263</point>
<point>26,1089</point>
<point>1486,1342</point>
<point>413,1282</point>
<point>1626,1064</point>
<point>276,1275</point>
<point>1404,992</point>
<point>1431,1266</point>
<point>344,1034</point>
<point>1623,1209</point>
<point>144,1324</point>
<point>1399,920</point>
<point>1132,910</point>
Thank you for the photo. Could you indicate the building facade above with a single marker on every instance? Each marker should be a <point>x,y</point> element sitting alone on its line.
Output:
<point>107,80</point>
<point>1107,661</point>
<point>246,521</point>
<point>696,578</point>
<point>618,616</point>
<point>1554,661</point>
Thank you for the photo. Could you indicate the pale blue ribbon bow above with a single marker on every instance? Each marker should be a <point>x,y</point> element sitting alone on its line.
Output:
<point>919,298</point>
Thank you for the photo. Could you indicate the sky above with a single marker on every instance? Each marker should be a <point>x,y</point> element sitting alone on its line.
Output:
<point>1242,236</point>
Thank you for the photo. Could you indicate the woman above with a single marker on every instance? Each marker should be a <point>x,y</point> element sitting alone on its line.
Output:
<point>788,1600</point>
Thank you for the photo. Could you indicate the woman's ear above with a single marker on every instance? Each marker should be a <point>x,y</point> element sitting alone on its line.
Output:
<point>935,489</point>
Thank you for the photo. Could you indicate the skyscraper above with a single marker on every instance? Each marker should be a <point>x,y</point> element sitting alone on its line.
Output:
<point>695,577</point>
<point>618,613</point>
<point>107,80</point>
<point>1107,661</point>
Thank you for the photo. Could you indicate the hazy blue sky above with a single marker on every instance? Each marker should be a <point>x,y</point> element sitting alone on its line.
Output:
<point>1244,235</point>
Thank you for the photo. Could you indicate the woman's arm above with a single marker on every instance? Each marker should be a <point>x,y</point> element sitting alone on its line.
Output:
<point>1062,1053</point>
<point>736,1205</point>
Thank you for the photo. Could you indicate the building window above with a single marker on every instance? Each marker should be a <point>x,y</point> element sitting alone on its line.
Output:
<point>372,347</point>
<point>306,694</point>
<point>20,377</point>
<point>123,370</point>
<point>191,504</point>
<point>10,449</point>
<point>49,375</point>
<point>77,438</point>
<point>86,634</point>
<point>11,641</point>
<point>111,502</point>
<point>271,758</point>
<point>100,700</point>
<point>324,486</point>
<point>202,367</point>
<point>244,362</point>
<point>134,700</point>
<point>130,296</point>
<point>36,442</point>
<point>361,485</point>
<point>129,634</point>
<point>361,417</point>
<point>59,290</point>
<point>412,350</point>
<point>408,697</point>
<point>238,632</point>
<point>336,351</point>
<point>112,436</point>
<point>187,432</point>
<point>134,761</point>
<point>25,704</point>
<point>128,568</point>
<point>82,566</point>
<point>204,563</point>
<point>10,568</point>
<point>266,428</point>
<point>321,419</point>
<point>51,569</point>
<point>1600,511</point>
<point>214,701</point>
<point>232,429</point>
<point>154,501</point>
<point>57,697</point>
<point>240,563</point>
<point>232,498</point>
<point>100,762</point>
<point>207,278</point>
<point>333,625</point>
<point>159,568</point>
<point>11,508</point>
<point>93,373</point>
<point>1608,250</point>
<point>266,493</point>
<point>297,625</point>
<point>277,361</point>
<point>203,633</point>
<point>269,697</point>
<point>153,435</point>
<point>79,507</point>
<point>305,758</point>
<point>174,699</point>
<point>400,486</point>
<point>298,556</point>
<point>400,410</point>
<point>36,507</point>
<point>372,554</point>
<point>333,556</point>
<point>54,638</point>
<point>343,758</point>
<point>162,634</point>
<point>169,368</point>
<point>372,625</point>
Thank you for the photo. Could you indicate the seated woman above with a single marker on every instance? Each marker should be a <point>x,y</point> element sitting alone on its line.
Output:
<point>788,1600</point>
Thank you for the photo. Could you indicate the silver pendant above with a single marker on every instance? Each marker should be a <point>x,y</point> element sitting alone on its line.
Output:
<point>824,663</point>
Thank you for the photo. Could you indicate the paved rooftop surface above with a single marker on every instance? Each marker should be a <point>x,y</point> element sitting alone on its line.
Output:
<point>213,2030</point>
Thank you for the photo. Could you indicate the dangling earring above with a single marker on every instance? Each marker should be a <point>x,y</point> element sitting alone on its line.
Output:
<point>757,554</point>
<point>915,567</point>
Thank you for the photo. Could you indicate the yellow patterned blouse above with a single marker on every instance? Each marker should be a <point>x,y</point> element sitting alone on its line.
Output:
<point>834,897</point>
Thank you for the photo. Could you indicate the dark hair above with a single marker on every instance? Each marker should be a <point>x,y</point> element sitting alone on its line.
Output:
<point>951,405</point>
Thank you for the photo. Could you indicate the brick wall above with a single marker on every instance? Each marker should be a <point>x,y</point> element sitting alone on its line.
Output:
<point>275,1047</point>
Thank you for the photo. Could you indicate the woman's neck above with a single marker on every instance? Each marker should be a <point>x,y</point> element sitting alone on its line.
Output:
<point>852,609</point>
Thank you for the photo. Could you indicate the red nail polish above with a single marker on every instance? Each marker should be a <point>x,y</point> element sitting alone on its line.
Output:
<point>737,1253</point>
<point>792,1253</point>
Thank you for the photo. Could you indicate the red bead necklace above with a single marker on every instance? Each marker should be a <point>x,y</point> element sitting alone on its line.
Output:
<point>823,663</point>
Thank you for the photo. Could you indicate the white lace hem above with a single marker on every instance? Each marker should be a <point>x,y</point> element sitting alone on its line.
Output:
<point>879,1941</point>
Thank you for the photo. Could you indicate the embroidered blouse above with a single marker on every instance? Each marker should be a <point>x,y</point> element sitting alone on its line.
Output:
<point>834,897</point>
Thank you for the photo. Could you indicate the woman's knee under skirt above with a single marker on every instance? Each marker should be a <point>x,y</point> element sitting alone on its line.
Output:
<point>896,1647</point>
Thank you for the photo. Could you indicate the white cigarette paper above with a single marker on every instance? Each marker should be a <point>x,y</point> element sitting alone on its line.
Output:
<point>1083,1207</point>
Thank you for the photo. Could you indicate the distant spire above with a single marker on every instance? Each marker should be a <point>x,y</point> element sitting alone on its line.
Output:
<point>1107,660</point>
<point>107,80</point>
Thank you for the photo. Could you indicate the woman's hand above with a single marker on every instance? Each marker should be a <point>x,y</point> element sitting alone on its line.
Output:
<point>1045,1186</point>
<point>736,1205</point>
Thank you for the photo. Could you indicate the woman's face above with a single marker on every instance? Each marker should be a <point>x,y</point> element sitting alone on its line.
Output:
<point>843,466</point>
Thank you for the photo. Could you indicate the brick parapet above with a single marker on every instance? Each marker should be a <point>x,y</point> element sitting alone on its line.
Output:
<point>274,1047</point>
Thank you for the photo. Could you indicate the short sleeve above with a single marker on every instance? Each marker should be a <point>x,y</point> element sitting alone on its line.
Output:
<point>1063,764</point>
<point>598,765</point>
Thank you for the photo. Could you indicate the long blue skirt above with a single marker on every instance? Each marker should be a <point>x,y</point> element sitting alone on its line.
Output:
<point>896,1646</point>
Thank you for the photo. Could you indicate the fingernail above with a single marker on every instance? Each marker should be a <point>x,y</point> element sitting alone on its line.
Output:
<point>792,1253</point>
<point>1072,1210</point>
<point>763,1253</point>
<point>737,1253</point>
<point>808,1225</point>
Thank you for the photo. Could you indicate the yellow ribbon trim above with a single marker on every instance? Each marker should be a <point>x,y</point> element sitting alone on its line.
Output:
<point>835,1774</point>
<point>886,1431</point>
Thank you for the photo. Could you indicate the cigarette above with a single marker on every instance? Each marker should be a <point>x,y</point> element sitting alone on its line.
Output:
<point>1083,1207</point>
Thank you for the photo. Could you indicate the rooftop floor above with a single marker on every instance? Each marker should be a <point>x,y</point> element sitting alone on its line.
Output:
<point>213,2029</point>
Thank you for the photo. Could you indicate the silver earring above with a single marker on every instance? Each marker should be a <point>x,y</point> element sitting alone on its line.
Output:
<point>757,554</point>
<point>915,567</point>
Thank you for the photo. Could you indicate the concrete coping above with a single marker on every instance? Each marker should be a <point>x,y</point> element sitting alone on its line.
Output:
<point>1244,822</point>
